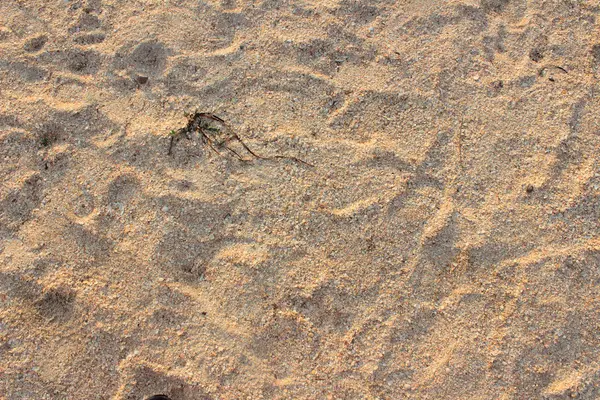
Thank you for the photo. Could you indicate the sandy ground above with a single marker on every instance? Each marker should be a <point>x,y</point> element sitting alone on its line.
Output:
<point>445,244</point>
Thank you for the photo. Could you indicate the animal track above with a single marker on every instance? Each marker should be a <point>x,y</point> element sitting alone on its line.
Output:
<point>282,334</point>
<point>147,380</point>
<point>16,207</point>
<point>74,126</point>
<point>56,303</point>
<point>122,189</point>
<point>90,243</point>
<point>360,12</point>
<point>23,71</point>
<point>327,308</point>
<point>80,62</point>
<point>35,44</point>
<point>148,57</point>
<point>494,5</point>
<point>183,75</point>
<point>88,28</point>
<point>89,39</point>
<point>18,286</point>
<point>83,204</point>
<point>185,256</point>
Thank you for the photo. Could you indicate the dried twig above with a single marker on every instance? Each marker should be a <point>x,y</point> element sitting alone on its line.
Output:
<point>543,70</point>
<point>216,133</point>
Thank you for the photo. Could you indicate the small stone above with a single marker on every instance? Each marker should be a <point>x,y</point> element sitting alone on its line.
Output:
<point>141,79</point>
<point>529,189</point>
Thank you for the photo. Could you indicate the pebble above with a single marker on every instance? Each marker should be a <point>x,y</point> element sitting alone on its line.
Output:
<point>141,79</point>
<point>529,189</point>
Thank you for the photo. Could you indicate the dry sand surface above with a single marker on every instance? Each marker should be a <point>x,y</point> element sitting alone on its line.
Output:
<point>444,244</point>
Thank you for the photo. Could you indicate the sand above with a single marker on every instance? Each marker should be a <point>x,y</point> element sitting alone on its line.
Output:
<point>444,244</point>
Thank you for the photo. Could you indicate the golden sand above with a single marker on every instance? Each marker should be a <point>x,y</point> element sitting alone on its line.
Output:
<point>444,244</point>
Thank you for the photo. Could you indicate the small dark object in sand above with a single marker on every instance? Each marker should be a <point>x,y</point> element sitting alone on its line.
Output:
<point>219,136</point>
<point>529,189</point>
<point>159,397</point>
<point>543,71</point>
<point>141,79</point>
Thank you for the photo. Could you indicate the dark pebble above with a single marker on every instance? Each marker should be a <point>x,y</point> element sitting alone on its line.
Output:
<point>141,79</point>
<point>529,189</point>
<point>159,397</point>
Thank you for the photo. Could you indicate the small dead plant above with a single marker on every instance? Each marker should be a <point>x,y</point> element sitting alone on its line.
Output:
<point>219,137</point>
